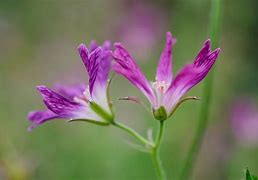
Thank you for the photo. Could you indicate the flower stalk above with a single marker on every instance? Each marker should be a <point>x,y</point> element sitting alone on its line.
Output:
<point>207,91</point>
<point>133,133</point>
<point>155,154</point>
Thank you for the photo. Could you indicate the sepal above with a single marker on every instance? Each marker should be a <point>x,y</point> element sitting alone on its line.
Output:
<point>160,113</point>
<point>132,99</point>
<point>90,121</point>
<point>101,112</point>
<point>180,102</point>
<point>136,100</point>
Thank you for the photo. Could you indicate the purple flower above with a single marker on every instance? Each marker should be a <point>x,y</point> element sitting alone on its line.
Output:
<point>244,121</point>
<point>80,102</point>
<point>166,92</point>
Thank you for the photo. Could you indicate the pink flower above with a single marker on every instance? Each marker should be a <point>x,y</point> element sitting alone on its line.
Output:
<point>166,92</point>
<point>79,101</point>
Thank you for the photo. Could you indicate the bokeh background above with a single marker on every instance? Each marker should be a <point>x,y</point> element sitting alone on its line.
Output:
<point>38,45</point>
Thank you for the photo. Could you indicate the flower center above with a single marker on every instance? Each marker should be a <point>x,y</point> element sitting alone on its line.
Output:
<point>160,87</point>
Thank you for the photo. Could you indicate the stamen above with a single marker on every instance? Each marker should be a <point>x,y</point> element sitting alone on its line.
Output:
<point>160,86</point>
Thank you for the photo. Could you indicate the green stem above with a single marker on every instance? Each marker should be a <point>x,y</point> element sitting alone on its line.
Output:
<point>132,132</point>
<point>155,154</point>
<point>207,91</point>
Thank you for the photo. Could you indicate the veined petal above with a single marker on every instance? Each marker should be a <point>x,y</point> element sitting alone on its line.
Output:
<point>100,62</point>
<point>126,66</point>
<point>106,46</point>
<point>97,63</point>
<point>84,54</point>
<point>99,92</point>
<point>92,65</point>
<point>39,117</point>
<point>206,58</point>
<point>62,106</point>
<point>164,70</point>
<point>203,53</point>
<point>190,75</point>
<point>104,63</point>
<point>184,80</point>
<point>70,92</point>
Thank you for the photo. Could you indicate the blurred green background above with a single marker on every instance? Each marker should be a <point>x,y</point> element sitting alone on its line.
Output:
<point>39,40</point>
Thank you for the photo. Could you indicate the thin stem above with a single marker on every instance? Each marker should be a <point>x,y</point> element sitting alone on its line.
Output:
<point>160,134</point>
<point>132,132</point>
<point>155,154</point>
<point>207,91</point>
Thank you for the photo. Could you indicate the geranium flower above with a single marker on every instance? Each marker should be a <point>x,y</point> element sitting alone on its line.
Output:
<point>79,102</point>
<point>166,92</point>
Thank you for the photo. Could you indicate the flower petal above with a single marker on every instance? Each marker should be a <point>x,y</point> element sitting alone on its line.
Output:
<point>94,65</point>
<point>126,66</point>
<point>91,62</point>
<point>99,91</point>
<point>84,54</point>
<point>190,75</point>
<point>180,85</point>
<point>205,59</point>
<point>39,117</point>
<point>106,46</point>
<point>61,105</point>
<point>93,45</point>
<point>70,92</point>
<point>104,63</point>
<point>164,70</point>
<point>97,62</point>
<point>205,50</point>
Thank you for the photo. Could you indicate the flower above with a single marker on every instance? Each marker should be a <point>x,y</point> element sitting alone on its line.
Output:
<point>244,120</point>
<point>79,102</point>
<point>166,92</point>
